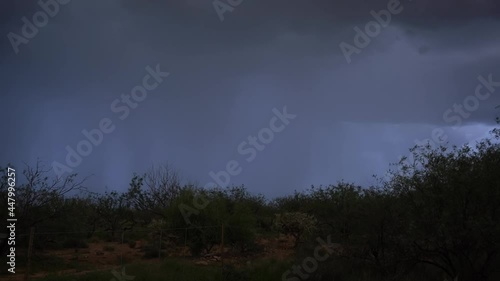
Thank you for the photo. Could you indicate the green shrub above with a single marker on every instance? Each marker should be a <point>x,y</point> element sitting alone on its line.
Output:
<point>108,248</point>
<point>94,239</point>
<point>231,273</point>
<point>151,250</point>
<point>131,244</point>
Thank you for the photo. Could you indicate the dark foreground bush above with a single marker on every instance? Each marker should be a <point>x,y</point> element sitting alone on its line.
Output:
<point>74,243</point>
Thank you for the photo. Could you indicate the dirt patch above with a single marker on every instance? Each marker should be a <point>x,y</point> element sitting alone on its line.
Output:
<point>110,255</point>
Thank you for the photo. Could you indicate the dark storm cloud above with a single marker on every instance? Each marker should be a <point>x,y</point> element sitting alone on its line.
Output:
<point>353,119</point>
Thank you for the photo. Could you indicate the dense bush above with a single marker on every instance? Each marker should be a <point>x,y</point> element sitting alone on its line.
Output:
<point>435,217</point>
<point>75,243</point>
<point>132,244</point>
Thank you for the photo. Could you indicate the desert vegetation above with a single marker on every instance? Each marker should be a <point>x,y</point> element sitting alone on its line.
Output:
<point>435,216</point>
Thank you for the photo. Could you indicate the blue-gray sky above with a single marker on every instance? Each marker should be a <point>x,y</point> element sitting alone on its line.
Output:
<point>353,119</point>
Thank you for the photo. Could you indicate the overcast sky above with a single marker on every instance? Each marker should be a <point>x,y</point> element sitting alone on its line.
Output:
<point>227,76</point>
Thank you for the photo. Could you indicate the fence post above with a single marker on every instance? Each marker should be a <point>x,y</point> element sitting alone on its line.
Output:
<point>159,248</point>
<point>121,254</point>
<point>222,251</point>
<point>30,249</point>
<point>222,241</point>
